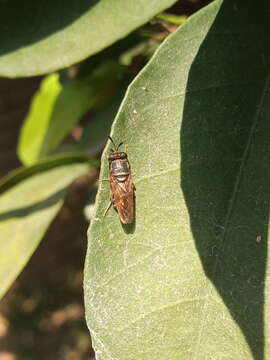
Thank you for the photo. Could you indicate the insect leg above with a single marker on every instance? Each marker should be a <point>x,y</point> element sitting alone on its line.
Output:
<point>101,180</point>
<point>108,207</point>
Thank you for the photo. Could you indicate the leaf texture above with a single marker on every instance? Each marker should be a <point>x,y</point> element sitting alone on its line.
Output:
<point>190,279</point>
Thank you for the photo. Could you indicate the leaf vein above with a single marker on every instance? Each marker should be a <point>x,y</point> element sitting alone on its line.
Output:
<point>159,309</point>
<point>164,172</point>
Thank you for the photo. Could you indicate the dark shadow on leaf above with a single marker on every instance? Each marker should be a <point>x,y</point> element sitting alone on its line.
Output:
<point>224,149</point>
<point>23,23</point>
<point>27,210</point>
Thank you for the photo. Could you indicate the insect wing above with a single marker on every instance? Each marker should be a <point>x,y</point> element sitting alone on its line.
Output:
<point>123,197</point>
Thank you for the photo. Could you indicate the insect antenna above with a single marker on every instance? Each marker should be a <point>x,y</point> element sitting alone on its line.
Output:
<point>113,143</point>
<point>116,147</point>
<point>121,143</point>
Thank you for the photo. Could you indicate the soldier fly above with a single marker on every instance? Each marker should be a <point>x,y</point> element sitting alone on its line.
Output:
<point>122,187</point>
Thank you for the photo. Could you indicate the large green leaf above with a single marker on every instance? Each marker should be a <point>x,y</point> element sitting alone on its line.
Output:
<point>30,199</point>
<point>190,278</point>
<point>57,107</point>
<point>40,37</point>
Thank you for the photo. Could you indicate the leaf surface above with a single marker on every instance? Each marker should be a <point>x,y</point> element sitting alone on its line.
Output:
<point>190,278</point>
<point>30,199</point>
<point>43,36</point>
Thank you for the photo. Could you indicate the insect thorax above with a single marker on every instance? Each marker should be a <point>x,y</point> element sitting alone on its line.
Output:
<point>120,167</point>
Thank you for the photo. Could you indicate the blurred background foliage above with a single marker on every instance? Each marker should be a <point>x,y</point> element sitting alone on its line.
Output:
<point>58,116</point>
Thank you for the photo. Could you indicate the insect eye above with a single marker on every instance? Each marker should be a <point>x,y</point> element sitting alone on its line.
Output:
<point>123,155</point>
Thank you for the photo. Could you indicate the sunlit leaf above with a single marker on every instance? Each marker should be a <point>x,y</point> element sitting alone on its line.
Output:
<point>38,119</point>
<point>190,278</point>
<point>172,18</point>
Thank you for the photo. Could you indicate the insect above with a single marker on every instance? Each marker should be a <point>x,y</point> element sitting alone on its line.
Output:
<point>122,187</point>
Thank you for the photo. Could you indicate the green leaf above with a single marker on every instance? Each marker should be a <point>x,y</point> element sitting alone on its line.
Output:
<point>172,18</point>
<point>57,107</point>
<point>30,199</point>
<point>38,119</point>
<point>41,37</point>
<point>190,279</point>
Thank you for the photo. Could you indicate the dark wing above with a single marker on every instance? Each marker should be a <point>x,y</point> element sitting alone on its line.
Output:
<point>123,197</point>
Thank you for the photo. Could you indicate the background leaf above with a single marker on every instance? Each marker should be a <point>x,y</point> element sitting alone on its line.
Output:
<point>38,119</point>
<point>190,278</point>
<point>96,133</point>
<point>30,199</point>
<point>57,107</point>
<point>40,37</point>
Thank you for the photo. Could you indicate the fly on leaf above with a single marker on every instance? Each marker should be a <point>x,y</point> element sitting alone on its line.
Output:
<point>122,187</point>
